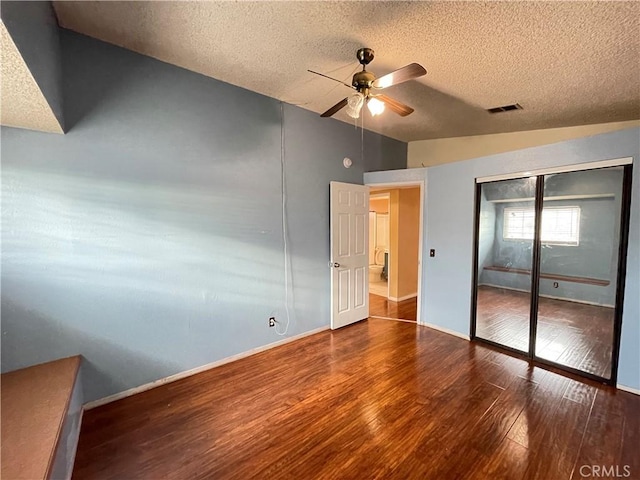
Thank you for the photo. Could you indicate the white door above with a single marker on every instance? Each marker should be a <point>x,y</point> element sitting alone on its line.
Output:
<point>349,253</point>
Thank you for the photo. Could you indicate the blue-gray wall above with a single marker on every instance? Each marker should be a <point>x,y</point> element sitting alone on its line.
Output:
<point>487,235</point>
<point>34,29</point>
<point>449,203</point>
<point>149,237</point>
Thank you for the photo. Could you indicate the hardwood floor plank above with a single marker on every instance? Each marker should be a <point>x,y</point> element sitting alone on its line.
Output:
<point>529,427</point>
<point>503,374</point>
<point>560,442</point>
<point>382,307</point>
<point>378,399</point>
<point>494,425</point>
<point>508,462</point>
<point>569,333</point>
<point>602,444</point>
<point>580,392</point>
<point>629,456</point>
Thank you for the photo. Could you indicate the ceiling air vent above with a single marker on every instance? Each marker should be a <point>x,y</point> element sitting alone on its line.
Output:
<point>505,108</point>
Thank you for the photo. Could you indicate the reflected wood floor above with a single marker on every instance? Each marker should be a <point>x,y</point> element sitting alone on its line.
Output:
<point>378,399</point>
<point>382,307</point>
<point>569,333</point>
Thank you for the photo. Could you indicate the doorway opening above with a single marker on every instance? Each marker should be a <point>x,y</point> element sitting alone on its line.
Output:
<point>379,244</point>
<point>395,240</point>
<point>550,258</point>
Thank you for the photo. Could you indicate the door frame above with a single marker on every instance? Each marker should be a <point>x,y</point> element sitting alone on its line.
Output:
<point>420,184</point>
<point>623,241</point>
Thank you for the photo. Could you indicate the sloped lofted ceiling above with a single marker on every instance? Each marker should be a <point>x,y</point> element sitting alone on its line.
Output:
<point>22,102</point>
<point>566,63</point>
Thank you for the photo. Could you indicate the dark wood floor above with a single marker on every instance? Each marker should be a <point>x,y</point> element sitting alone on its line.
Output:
<point>378,399</point>
<point>569,333</point>
<point>382,307</point>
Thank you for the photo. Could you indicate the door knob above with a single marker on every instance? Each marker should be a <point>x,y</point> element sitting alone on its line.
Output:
<point>336,265</point>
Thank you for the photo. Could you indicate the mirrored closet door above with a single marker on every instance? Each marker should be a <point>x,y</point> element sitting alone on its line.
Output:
<point>505,258</point>
<point>550,257</point>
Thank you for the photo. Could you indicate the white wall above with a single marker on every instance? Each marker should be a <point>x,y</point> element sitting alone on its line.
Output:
<point>427,153</point>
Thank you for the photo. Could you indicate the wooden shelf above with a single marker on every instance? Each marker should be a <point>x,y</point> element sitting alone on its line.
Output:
<point>552,276</point>
<point>35,401</point>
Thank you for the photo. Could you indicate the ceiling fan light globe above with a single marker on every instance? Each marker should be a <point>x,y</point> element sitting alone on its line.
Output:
<point>353,113</point>
<point>375,106</point>
<point>354,105</point>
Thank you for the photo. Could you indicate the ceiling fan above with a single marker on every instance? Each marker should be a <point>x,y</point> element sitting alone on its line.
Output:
<point>365,83</point>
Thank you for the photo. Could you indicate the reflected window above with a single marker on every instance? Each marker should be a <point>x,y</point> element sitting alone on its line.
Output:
<point>560,225</point>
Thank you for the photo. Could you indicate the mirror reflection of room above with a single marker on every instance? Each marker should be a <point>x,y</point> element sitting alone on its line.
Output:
<point>578,266</point>
<point>505,256</point>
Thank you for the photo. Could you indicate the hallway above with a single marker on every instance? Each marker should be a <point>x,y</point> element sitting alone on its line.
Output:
<point>384,308</point>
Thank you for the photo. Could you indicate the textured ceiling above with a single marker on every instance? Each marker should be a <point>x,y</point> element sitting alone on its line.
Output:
<point>566,63</point>
<point>22,103</point>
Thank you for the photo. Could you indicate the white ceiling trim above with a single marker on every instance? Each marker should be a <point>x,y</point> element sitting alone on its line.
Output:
<point>616,162</point>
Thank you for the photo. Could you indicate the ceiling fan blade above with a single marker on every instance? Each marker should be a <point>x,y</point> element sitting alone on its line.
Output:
<point>331,78</point>
<point>408,72</point>
<point>396,106</point>
<point>338,106</point>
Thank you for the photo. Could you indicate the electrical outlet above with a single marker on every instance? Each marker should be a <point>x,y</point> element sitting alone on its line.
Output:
<point>272,321</point>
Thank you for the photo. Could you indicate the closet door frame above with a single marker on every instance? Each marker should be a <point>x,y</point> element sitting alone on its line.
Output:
<point>623,242</point>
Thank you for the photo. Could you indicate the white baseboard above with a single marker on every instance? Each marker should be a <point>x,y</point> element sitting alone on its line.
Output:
<point>635,391</point>
<point>548,296</point>
<point>187,373</point>
<point>406,297</point>
<point>446,330</point>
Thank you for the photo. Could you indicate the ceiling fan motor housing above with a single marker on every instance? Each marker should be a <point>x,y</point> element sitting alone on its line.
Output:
<point>363,79</point>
